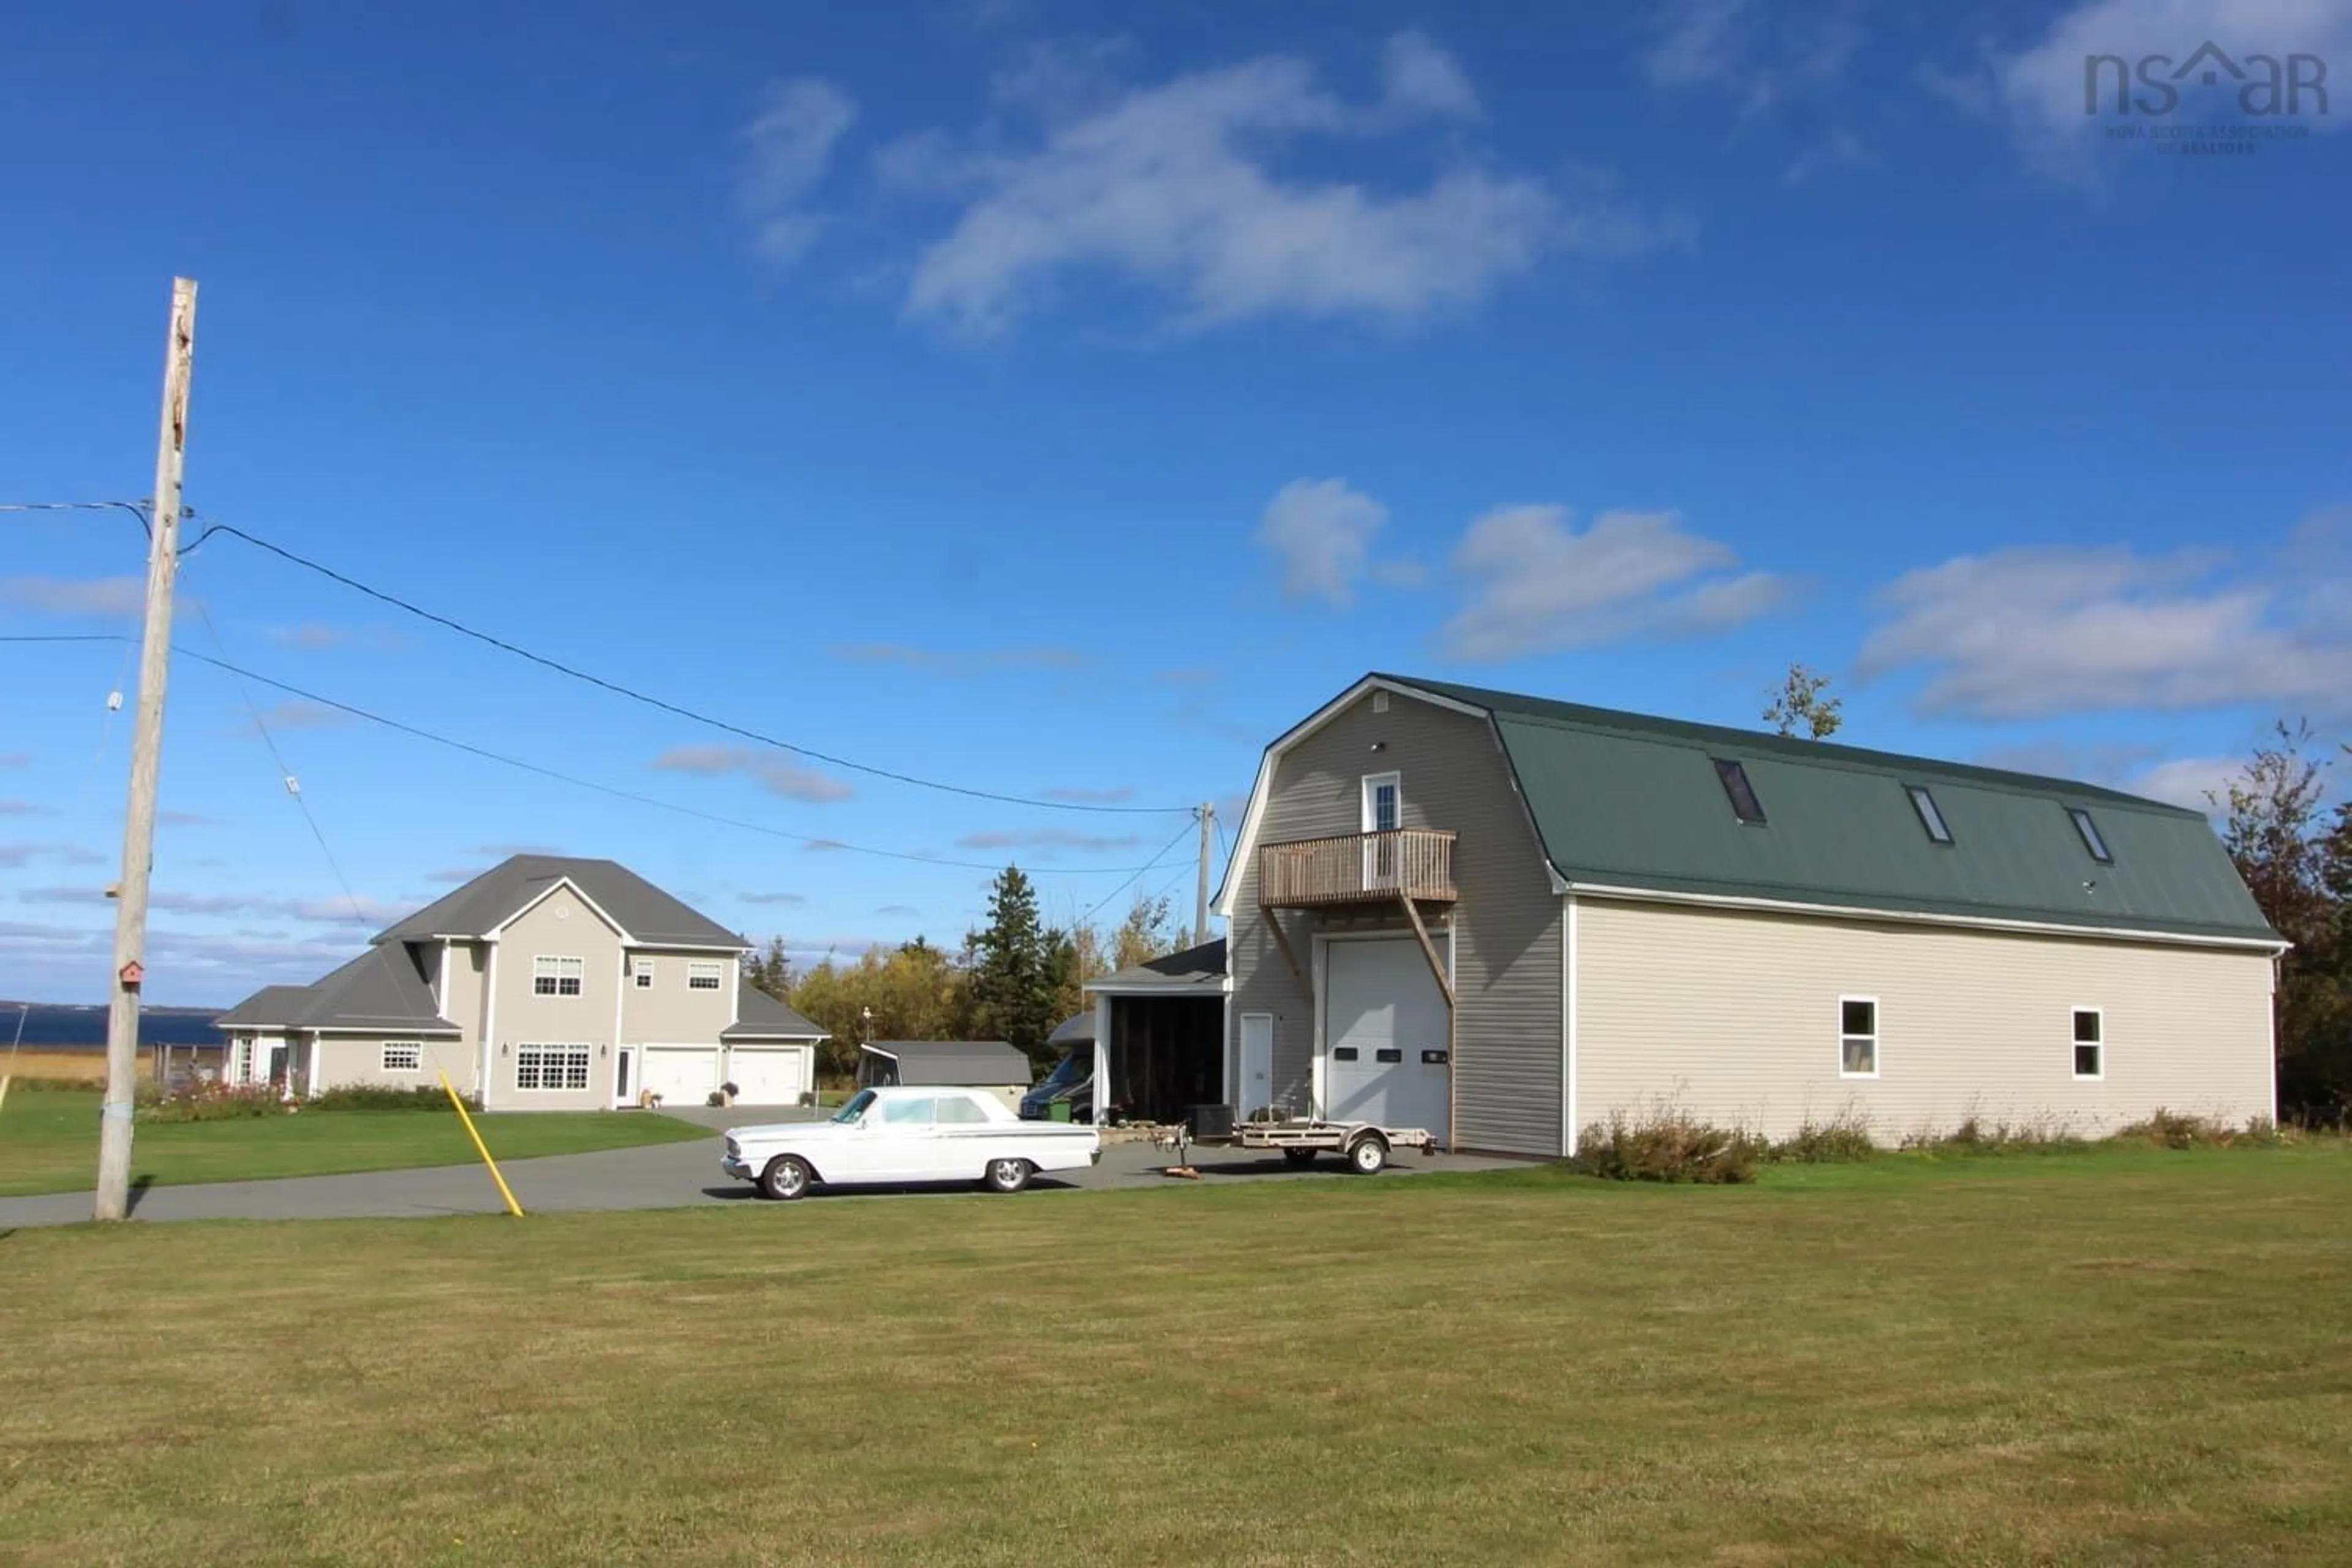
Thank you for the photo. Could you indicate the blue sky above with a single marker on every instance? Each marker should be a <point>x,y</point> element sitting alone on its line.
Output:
<point>1059,399</point>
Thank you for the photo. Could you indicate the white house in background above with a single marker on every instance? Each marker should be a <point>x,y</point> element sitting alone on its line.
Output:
<point>545,983</point>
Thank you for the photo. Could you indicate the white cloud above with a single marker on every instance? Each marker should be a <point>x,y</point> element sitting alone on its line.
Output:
<point>2197,782</point>
<point>788,147</point>
<point>1175,188</point>
<point>1780,67</point>
<point>1537,585</point>
<point>2039,92</point>
<point>775,775</point>
<point>1418,75</point>
<point>300,716</point>
<point>1321,532</point>
<point>77,595</point>
<point>1051,838</point>
<point>789,900</point>
<point>1698,42</point>
<point>2034,631</point>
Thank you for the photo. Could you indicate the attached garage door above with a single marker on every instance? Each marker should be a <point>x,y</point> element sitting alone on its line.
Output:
<point>682,1075</point>
<point>1383,1035</point>
<point>768,1075</point>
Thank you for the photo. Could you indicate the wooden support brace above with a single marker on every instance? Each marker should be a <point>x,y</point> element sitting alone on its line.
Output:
<point>1429,950</point>
<point>1289,955</point>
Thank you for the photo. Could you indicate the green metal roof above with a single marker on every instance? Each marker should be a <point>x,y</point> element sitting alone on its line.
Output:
<point>1627,800</point>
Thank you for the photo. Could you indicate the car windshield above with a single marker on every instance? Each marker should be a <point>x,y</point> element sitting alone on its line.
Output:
<point>1069,1069</point>
<point>854,1107</point>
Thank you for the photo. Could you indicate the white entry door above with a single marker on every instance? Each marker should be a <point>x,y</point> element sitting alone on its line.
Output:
<point>681,1075</point>
<point>1257,1063</point>
<point>1384,1045</point>
<point>768,1075</point>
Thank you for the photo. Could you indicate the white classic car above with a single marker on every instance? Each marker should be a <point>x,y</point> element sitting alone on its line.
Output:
<point>888,1136</point>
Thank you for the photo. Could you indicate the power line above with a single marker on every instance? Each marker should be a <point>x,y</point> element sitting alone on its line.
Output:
<point>1087,917</point>
<point>294,789</point>
<point>136,508</point>
<point>663,704</point>
<point>615,792</point>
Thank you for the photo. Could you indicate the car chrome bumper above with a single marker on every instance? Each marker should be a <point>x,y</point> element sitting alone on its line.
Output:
<point>734,1166</point>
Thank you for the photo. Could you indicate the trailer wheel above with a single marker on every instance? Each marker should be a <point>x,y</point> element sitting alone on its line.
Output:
<point>1298,1156</point>
<point>1369,1155</point>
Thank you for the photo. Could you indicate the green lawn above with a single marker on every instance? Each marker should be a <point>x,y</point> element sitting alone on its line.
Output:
<point>2128,1357</point>
<point>48,1142</point>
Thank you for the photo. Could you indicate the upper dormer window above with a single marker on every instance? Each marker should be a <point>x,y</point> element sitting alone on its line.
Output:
<point>1744,804</point>
<point>2092,841</point>
<point>1929,817</point>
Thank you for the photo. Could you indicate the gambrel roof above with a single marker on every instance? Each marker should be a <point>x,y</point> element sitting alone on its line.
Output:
<point>1634,803</point>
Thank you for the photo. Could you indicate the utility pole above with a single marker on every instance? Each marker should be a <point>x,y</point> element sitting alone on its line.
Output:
<point>146,760</point>
<point>1208,815</point>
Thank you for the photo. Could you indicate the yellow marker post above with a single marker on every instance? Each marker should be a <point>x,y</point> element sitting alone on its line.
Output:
<point>481,1148</point>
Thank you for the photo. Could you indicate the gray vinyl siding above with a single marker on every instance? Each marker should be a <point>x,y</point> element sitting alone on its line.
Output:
<point>1506,928</point>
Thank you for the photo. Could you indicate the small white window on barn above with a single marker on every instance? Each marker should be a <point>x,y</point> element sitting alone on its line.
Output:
<point>700,976</point>
<point>556,976</point>
<point>403,1055</point>
<point>1857,1037</point>
<point>2090,1043</point>
<point>1380,701</point>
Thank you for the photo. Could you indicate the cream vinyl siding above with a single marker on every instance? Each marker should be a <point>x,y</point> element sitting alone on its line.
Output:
<point>348,1060</point>
<point>1734,1017</point>
<point>669,1009</point>
<point>461,991</point>
<point>561,924</point>
<point>1507,929</point>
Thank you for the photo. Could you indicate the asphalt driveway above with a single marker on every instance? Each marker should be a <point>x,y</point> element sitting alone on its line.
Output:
<point>662,1176</point>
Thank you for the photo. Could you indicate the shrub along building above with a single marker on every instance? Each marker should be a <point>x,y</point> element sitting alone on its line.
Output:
<point>546,982</point>
<point>1503,918</point>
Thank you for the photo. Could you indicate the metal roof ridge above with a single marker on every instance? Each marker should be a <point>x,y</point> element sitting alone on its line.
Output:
<point>1636,725</point>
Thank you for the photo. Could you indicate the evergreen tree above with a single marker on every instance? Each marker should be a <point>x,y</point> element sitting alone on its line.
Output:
<point>1013,993</point>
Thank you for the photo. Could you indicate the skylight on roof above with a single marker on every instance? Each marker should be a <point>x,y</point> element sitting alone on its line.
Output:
<point>2090,832</point>
<point>1744,804</point>
<point>1929,817</point>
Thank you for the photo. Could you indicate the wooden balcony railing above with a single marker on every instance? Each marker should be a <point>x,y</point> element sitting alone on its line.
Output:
<point>1358,868</point>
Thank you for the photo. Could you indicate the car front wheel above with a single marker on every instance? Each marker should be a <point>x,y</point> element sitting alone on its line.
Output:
<point>1006,1175</point>
<point>787,1176</point>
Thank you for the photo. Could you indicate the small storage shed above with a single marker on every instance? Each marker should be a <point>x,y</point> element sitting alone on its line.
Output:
<point>993,1065</point>
<point>1158,1030</point>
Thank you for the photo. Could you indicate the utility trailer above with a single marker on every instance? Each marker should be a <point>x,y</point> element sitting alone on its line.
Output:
<point>1365,1145</point>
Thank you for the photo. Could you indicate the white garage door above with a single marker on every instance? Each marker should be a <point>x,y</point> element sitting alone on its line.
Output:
<point>681,1075</point>
<point>1383,1035</point>
<point>765,1075</point>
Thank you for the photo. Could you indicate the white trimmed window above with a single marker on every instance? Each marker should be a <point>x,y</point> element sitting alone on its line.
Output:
<point>557,976</point>
<point>403,1056</point>
<point>702,977</point>
<point>240,1062</point>
<point>550,1068</point>
<point>2090,1042</point>
<point>644,968</point>
<point>1857,1037</point>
